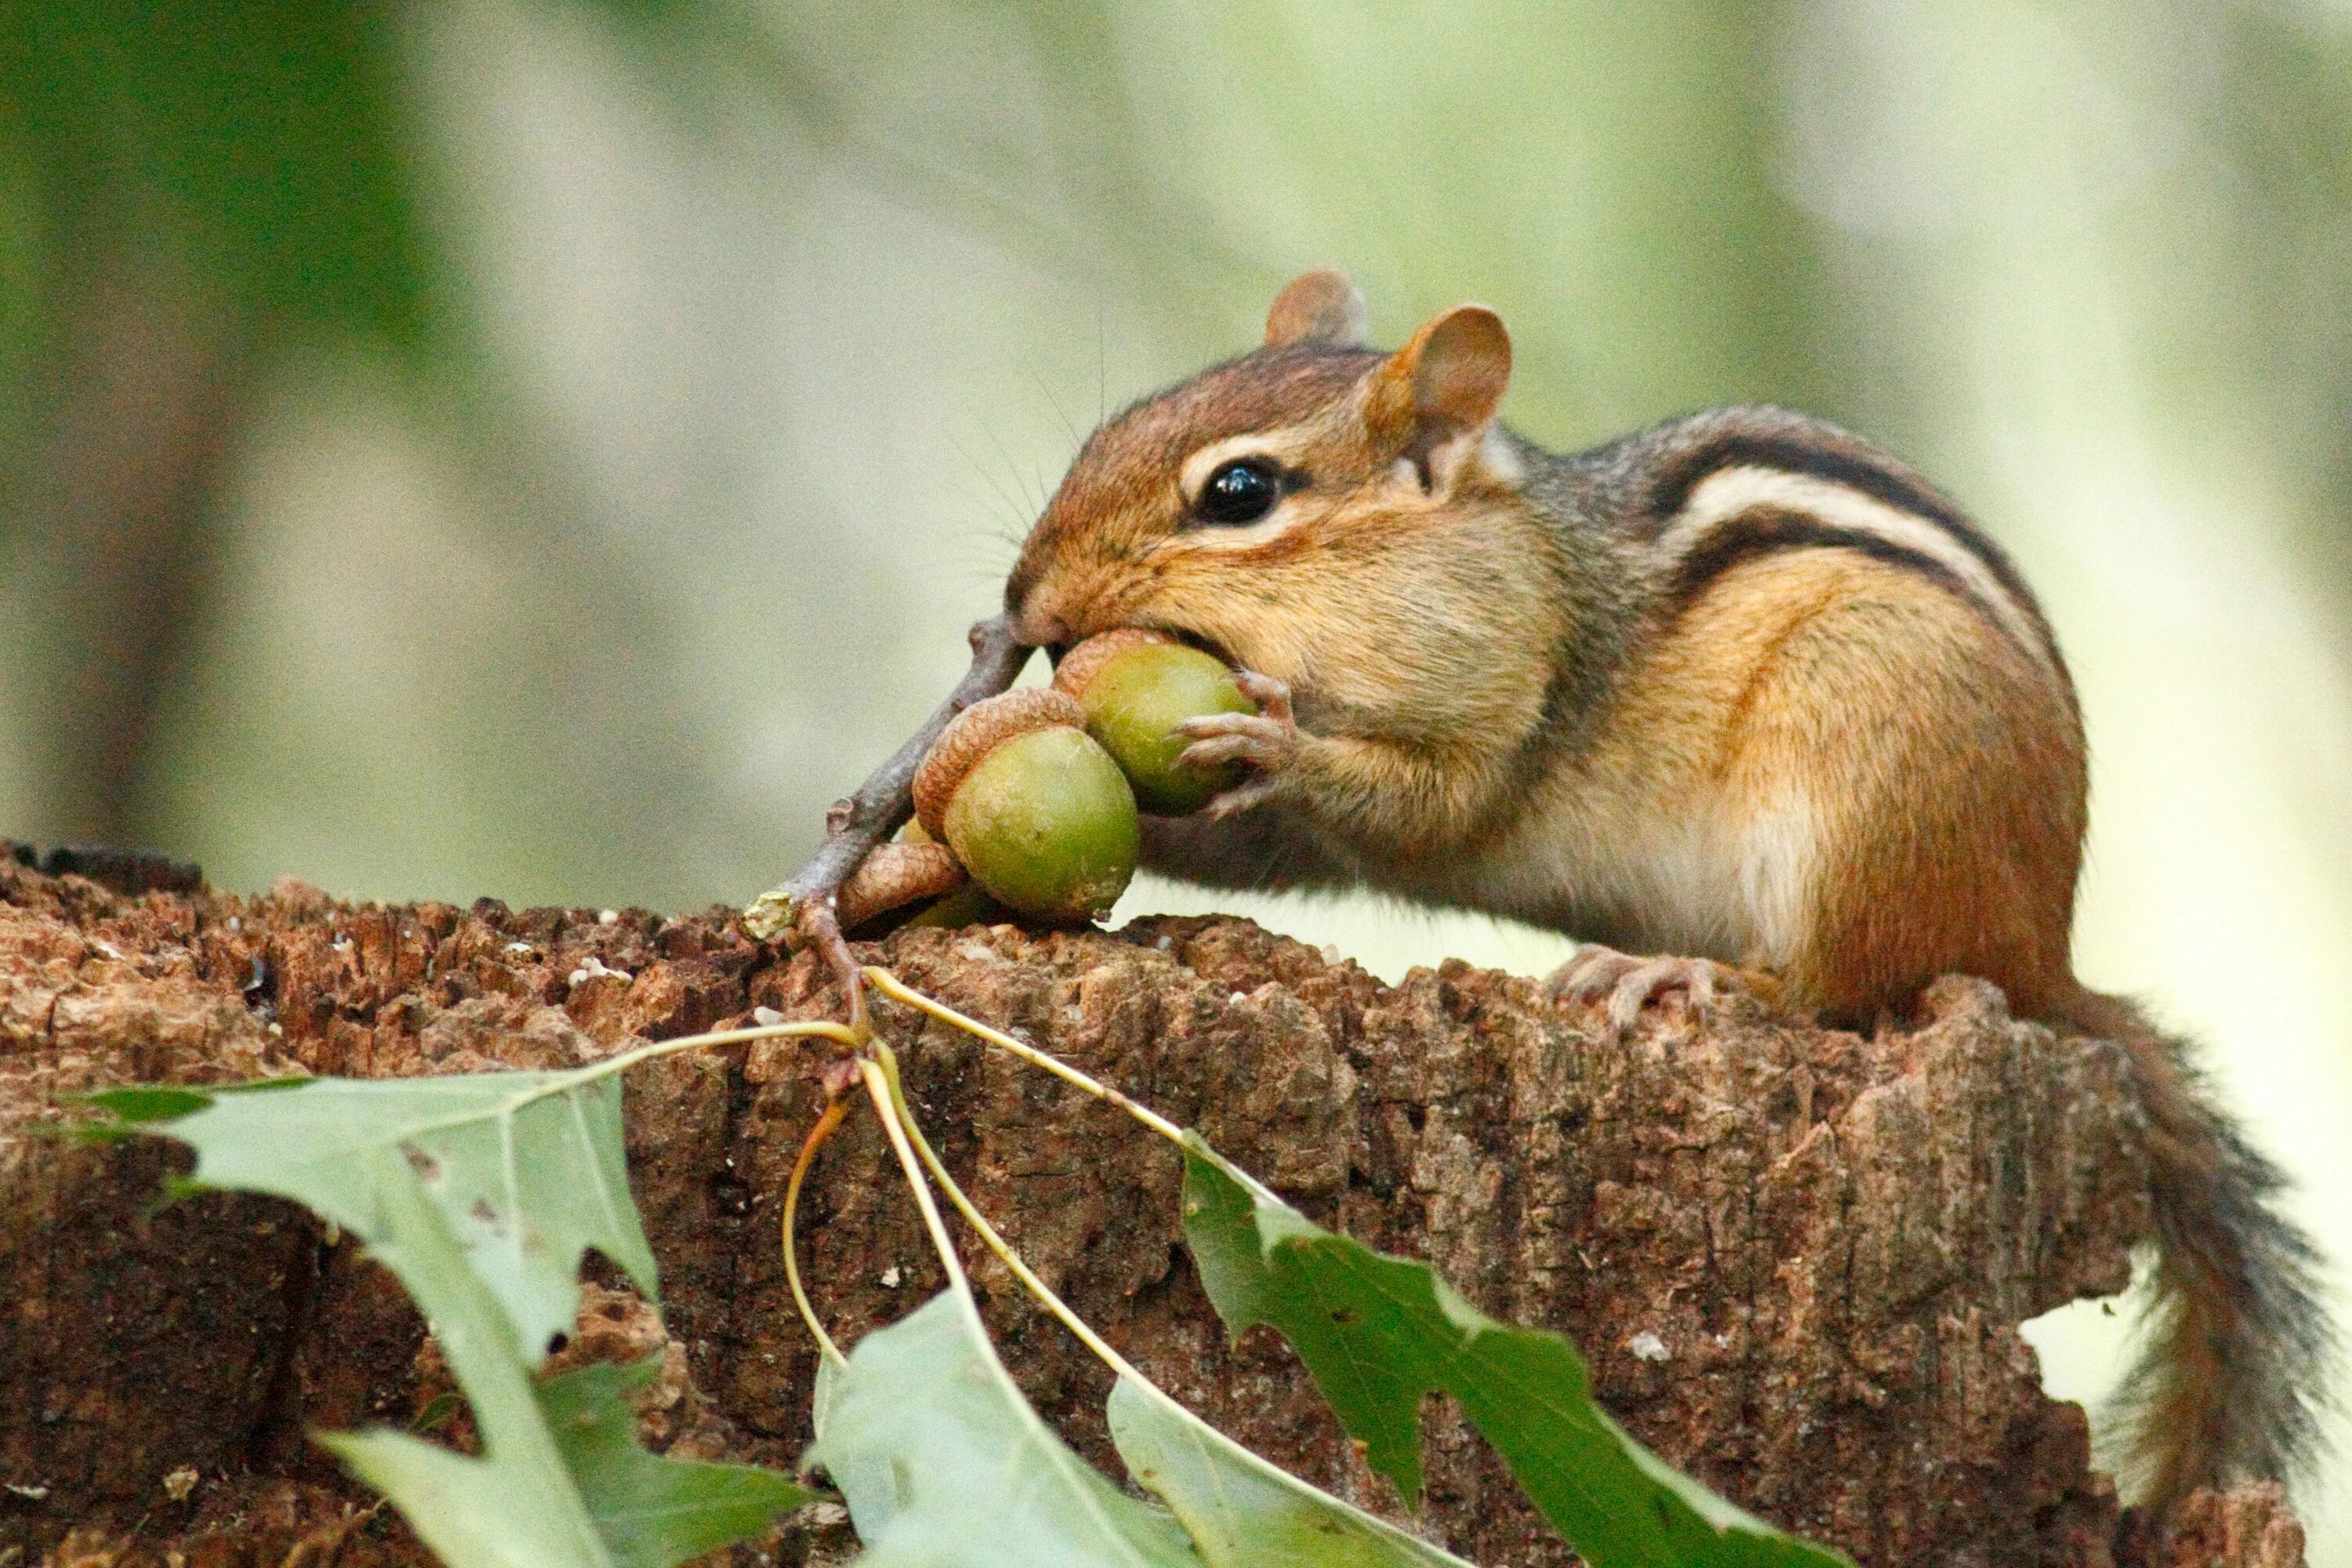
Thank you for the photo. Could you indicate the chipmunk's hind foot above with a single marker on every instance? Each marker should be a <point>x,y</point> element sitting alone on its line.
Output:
<point>1627,984</point>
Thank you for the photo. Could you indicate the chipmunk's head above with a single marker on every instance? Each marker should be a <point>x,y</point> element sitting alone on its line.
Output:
<point>1289,507</point>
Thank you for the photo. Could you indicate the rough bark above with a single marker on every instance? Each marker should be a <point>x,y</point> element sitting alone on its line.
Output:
<point>1795,1258</point>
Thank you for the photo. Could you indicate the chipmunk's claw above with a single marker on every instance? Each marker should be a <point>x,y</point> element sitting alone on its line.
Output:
<point>1240,797</point>
<point>1223,738</point>
<point>1272,696</point>
<point>1628,983</point>
<point>1265,740</point>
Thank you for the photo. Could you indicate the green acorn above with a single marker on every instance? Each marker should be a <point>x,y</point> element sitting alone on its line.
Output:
<point>1135,687</point>
<point>1037,812</point>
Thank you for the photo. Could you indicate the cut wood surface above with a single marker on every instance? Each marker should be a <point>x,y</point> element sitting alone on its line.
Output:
<point>1795,1258</point>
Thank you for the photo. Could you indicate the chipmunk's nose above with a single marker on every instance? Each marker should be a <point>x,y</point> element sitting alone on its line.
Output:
<point>1035,622</point>
<point>1047,634</point>
<point>1037,628</point>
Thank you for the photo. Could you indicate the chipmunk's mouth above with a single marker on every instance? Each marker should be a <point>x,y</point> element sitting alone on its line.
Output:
<point>1055,651</point>
<point>1209,645</point>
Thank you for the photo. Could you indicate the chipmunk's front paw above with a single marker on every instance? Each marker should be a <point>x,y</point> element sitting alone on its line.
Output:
<point>1631,984</point>
<point>1265,740</point>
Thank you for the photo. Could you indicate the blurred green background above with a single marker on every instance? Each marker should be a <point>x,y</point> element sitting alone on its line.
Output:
<point>550,449</point>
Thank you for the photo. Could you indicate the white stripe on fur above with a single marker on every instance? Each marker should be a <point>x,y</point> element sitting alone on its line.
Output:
<point>1725,494</point>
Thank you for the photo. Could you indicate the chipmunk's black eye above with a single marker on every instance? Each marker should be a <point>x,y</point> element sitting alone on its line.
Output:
<point>1240,492</point>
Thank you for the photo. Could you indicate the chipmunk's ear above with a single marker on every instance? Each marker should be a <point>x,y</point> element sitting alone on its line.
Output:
<point>1319,307</point>
<point>1443,386</point>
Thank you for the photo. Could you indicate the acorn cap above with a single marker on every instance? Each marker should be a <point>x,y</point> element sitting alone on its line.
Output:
<point>1079,665</point>
<point>894,873</point>
<point>978,731</point>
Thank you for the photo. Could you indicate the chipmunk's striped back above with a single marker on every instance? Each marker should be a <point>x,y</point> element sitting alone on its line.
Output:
<point>1716,489</point>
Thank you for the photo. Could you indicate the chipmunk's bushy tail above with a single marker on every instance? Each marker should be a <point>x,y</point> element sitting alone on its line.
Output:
<point>2237,1349</point>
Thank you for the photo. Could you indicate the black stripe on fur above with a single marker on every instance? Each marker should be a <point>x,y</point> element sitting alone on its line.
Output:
<point>1764,529</point>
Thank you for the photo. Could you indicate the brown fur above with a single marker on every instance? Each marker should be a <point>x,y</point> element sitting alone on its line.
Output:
<point>1959,815</point>
<point>1802,746</point>
<point>2236,1353</point>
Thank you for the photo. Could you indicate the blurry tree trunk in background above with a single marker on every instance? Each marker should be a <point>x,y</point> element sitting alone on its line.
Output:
<point>121,483</point>
<point>177,180</point>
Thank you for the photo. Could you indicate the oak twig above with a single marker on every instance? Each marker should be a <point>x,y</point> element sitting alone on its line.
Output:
<point>804,909</point>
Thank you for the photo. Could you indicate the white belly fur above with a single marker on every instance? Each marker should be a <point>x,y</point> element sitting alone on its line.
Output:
<point>1704,876</point>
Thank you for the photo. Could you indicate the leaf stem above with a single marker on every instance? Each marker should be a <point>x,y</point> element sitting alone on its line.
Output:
<point>565,1082</point>
<point>822,1027</point>
<point>904,1116</point>
<point>878,1089</point>
<point>833,1114</point>
<point>891,986</point>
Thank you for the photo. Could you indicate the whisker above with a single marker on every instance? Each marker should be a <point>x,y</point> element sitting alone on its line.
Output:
<point>1068,424</point>
<point>1013,507</point>
<point>1013,466</point>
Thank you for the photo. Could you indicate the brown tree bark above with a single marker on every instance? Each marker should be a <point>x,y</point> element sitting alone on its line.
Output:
<point>1795,1258</point>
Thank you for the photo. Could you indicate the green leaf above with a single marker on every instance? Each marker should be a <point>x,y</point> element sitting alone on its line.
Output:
<point>653,1511</point>
<point>1242,1512</point>
<point>1379,1332</point>
<point>139,1103</point>
<point>527,1169</point>
<point>437,1415</point>
<point>466,1509</point>
<point>830,1371</point>
<point>506,1508</point>
<point>944,1462</point>
<point>460,1186</point>
<point>517,1506</point>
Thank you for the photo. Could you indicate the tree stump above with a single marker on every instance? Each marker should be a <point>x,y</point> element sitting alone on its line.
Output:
<point>1795,1258</point>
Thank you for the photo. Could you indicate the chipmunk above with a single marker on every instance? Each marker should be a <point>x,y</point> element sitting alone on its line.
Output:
<point>1739,689</point>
